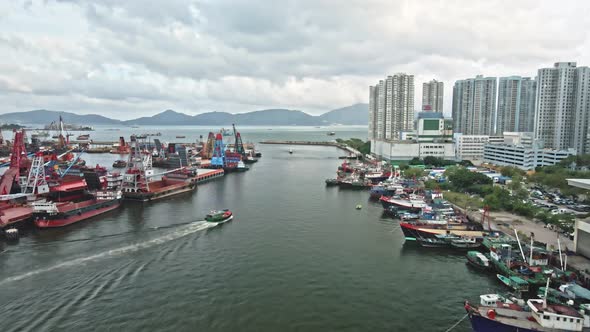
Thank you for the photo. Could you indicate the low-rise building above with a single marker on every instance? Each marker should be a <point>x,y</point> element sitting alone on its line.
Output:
<point>582,227</point>
<point>525,157</point>
<point>470,147</point>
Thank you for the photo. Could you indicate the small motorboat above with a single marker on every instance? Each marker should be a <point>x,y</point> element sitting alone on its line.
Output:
<point>290,151</point>
<point>331,133</point>
<point>120,164</point>
<point>180,136</point>
<point>219,216</point>
<point>358,206</point>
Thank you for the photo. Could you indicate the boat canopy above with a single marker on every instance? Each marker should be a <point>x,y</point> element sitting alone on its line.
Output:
<point>518,280</point>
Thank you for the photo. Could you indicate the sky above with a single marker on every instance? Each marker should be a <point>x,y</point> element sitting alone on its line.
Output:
<point>131,58</point>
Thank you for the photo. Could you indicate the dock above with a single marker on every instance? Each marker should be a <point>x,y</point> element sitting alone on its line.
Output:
<point>318,143</point>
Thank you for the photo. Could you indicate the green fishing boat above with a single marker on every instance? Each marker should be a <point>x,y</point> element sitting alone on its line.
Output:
<point>554,296</point>
<point>478,260</point>
<point>516,283</point>
<point>219,216</point>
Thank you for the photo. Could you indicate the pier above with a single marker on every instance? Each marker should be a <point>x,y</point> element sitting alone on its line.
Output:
<point>318,143</point>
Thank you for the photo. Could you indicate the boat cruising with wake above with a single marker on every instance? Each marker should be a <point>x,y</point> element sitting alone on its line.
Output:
<point>219,216</point>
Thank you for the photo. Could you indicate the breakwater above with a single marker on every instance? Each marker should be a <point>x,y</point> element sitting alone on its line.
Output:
<point>318,143</point>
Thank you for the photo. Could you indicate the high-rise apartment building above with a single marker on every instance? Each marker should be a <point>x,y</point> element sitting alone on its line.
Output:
<point>432,96</point>
<point>373,95</point>
<point>516,104</point>
<point>391,107</point>
<point>474,106</point>
<point>581,139</point>
<point>562,107</point>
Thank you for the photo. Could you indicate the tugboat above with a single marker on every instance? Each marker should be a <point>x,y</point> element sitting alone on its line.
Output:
<point>120,164</point>
<point>241,167</point>
<point>219,216</point>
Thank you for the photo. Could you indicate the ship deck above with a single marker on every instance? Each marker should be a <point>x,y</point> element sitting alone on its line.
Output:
<point>14,214</point>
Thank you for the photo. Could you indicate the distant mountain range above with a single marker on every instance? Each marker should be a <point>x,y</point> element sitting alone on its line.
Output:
<point>352,115</point>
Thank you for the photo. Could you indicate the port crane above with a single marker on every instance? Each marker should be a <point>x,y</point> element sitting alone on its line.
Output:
<point>18,160</point>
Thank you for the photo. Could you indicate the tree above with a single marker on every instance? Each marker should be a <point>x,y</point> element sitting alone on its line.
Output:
<point>462,179</point>
<point>416,161</point>
<point>414,172</point>
<point>510,171</point>
<point>466,163</point>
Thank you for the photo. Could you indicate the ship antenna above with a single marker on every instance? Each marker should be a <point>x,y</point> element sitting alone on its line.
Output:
<point>545,297</point>
<point>519,246</point>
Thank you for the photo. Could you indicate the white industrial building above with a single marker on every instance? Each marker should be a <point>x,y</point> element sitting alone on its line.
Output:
<point>582,227</point>
<point>470,147</point>
<point>433,137</point>
<point>522,151</point>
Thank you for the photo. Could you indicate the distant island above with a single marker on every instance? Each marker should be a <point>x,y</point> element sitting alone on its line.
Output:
<point>10,126</point>
<point>352,115</point>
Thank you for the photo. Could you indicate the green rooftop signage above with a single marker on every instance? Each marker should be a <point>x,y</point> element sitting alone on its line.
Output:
<point>430,124</point>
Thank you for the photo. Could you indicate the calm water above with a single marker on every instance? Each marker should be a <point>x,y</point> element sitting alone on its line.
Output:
<point>297,257</point>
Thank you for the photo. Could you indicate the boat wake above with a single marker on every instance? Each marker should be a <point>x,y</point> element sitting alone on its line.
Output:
<point>179,233</point>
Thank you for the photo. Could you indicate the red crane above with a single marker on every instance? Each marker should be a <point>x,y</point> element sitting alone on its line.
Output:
<point>19,154</point>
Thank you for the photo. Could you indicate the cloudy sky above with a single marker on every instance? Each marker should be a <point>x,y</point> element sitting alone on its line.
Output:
<point>131,58</point>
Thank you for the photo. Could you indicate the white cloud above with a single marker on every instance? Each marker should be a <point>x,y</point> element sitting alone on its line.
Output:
<point>137,58</point>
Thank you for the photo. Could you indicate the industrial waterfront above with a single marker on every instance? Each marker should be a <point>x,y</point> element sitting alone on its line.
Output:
<point>297,256</point>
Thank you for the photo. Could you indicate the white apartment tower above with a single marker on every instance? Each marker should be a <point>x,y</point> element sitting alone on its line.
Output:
<point>474,106</point>
<point>581,139</point>
<point>562,107</point>
<point>516,104</point>
<point>391,107</point>
<point>432,96</point>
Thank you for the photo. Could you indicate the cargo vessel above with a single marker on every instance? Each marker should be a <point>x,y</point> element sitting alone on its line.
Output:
<point>413,204</point>
<point>430,229</point>
<point>138,185</point>
<point>49,214</point>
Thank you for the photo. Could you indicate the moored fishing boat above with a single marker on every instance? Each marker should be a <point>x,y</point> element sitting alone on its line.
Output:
<point>465,243</point>
<point>432,242</point>
<point>516,283</point>
<point>537,315</point>
<point>431,228</point>
<point>219,216</point>
<point>412,204</point>
<point>478,260</point>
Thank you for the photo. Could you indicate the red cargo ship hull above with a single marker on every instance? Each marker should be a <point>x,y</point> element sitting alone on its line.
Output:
<point>160,189</point>
<point>70,213</point>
